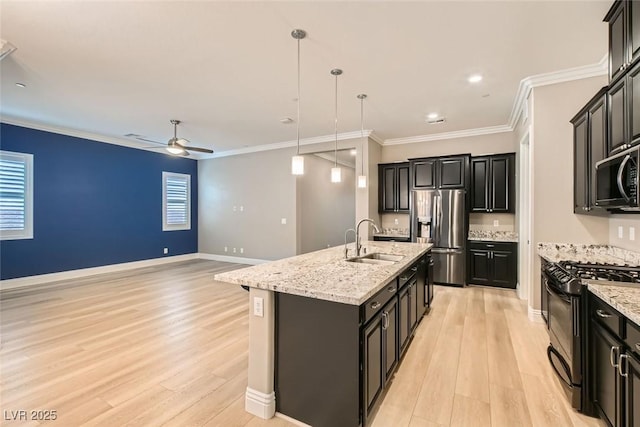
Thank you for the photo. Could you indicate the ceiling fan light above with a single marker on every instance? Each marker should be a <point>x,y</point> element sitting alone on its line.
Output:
<point>175,150</point>
<point>297,165</point>
<point>336,174</point>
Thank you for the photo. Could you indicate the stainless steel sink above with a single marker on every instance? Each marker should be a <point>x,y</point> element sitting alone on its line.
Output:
<point>377,258</point>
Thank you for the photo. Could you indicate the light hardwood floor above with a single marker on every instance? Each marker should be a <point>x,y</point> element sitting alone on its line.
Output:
<point>168,346</point>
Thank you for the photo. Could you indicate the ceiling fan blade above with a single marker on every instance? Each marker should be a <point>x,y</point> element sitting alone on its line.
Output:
<point>198,149</point>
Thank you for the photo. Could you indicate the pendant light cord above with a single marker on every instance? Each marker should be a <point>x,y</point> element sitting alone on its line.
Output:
<point>298,119</point>
<point>336,126</point>
<point>362,134</point>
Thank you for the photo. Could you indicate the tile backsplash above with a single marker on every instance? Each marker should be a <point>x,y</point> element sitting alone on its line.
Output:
<point>486,221</point>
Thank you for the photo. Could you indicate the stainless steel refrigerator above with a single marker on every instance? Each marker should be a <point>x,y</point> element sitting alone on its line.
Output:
<point>439,217</point>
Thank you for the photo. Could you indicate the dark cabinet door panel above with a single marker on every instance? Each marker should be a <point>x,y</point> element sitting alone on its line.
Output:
<point>413,305</point>
<point>617,42</point>
<point>480,184</point>
<point>374,368</point>
<point>632,391</point>
<point>451,171</point>
<point>424,174</point>
<point>388,186</point>
<point>479,267</point>
<point>606,390</point>
<point>403,188</point>
<point>391,338</point>
<point>633,11</point>
<point>403,318</point>
<point>501,184</point>
<point>581,161</point>
<point>597,143</point>
<point>504,269</point>
<point>633,103</point>
<point>617,116</point>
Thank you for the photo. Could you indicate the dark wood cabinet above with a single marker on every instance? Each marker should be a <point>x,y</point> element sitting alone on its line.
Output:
<point>493,183</point>
<point>380,353</point>
<point>604,374</point>
<point>590,127</point>
<point>613,362</point>
<point>624,36</point>
<point>393,184</point>
<point>616,97</point>
<point>440,172</point>
<point>493,264</point>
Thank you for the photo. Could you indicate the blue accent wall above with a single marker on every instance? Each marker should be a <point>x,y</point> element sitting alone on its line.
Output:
<point>95,204</point>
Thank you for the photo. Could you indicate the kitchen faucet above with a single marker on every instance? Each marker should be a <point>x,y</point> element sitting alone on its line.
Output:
<point>358,245</point>
<point>346,249</point>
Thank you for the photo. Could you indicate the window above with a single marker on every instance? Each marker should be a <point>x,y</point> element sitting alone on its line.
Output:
<point>16,196</point>
<point>176,201</point>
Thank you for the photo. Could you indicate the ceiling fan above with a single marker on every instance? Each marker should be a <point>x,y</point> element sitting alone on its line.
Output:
<point>178,146</point>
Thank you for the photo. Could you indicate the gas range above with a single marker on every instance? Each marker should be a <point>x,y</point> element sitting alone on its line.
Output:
<point>568,276</point>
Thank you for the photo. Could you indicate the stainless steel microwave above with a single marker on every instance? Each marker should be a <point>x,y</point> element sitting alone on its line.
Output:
<point>617,181</point>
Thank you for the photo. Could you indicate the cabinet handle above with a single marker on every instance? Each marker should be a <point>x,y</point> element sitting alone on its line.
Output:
<point>638,346</point>
<point>414,269</point>
<point>375,305</point>
<point>612,357</point>
<point>490,246</point>
<point>403,278</point>
<point>385,320</point>
<point>391,289</point>
<point>620,363</point>
<point>603,314</point>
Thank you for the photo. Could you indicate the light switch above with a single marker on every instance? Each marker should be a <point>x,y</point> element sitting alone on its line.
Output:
<point>283,221</point>
<point>632,233</point>
<point>226,249</point>
<point>258,307</point>
<point>241,250</point>
<point>620,232</point>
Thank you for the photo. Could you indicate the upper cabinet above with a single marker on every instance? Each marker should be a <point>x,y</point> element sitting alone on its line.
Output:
<point>393,187</point>
<point>439,172</point>
<point>493,183</point>
<point>589,147</point>
<point>624,36</point>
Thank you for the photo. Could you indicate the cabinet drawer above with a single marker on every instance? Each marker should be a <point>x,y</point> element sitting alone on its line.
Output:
<point>605,315</point>
<point>406,275</point>
<point>633,337</point>
<point>484,245</point>
<point>376,302</point>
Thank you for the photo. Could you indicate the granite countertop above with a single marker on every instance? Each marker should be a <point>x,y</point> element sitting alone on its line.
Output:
<point>594,254</point>
<point>326,275</point>
<point>493,236</point>
<point>625,299</point>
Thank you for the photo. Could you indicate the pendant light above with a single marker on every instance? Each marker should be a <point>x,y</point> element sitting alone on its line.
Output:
<point>297,161</point>
<point>362,178</point>
<point>336,172</point>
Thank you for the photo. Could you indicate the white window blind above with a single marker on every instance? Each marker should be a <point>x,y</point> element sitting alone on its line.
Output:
<point>176,201</point>
<point>16,195</point>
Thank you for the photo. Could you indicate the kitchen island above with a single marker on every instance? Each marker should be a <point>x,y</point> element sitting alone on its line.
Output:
<point>327,333</point>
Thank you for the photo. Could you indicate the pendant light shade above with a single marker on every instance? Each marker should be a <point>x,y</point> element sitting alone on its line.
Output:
<point>362,178</point>
<point>336,172</point>
<point>297,161</point>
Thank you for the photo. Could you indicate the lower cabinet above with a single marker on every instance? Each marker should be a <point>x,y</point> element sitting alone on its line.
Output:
<point>614,371</point>
<point>380,352</point>
<point>493,264</point>
<point>407,312</point>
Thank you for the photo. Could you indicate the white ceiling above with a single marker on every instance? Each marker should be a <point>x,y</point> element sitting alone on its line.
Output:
<point>228,69</point>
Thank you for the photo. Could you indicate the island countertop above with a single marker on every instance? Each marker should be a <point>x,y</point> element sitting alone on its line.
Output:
<point>327,275</point>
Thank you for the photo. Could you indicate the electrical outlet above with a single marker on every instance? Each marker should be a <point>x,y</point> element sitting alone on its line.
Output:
<point>632,233</point>
<point>166,251</point>
<point>620,232</point>
<point>258,307</point>
<point>395,221</point>
<point>234,250</point>
<point>226,249</point>
<point>235,208</point>
<point>241,250</point>
<point>283,221</point>
<point>496,223</point>
<point>241,208</point>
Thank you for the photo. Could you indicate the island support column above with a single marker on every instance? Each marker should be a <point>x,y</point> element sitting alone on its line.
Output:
<point>260,398</point>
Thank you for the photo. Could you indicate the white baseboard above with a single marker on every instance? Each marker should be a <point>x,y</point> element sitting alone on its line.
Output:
<point>84,272</point>
<point>234,259</point>
<point>291,420</point>
<point>260,404</point>
<point>535,315</point>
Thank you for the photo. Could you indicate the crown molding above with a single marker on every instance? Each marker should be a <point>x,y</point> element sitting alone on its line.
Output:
<point>528,83</point>
<point>287,144</point>
<point>448,135</point>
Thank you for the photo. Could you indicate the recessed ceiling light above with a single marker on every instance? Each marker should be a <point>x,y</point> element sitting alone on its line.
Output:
<point>353,152</point>
<point>286,120</point>
<point>475,78</point>
<point>432,116</point>
<point>22,85</point>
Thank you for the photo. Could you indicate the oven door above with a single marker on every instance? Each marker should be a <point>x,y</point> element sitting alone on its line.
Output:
<point>564,351</point>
